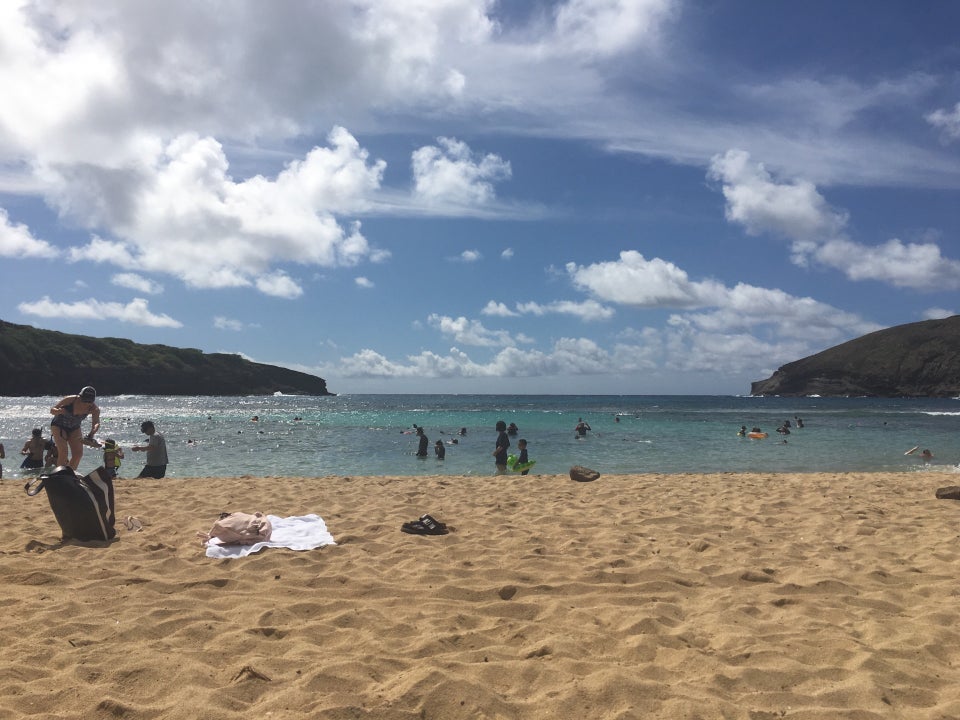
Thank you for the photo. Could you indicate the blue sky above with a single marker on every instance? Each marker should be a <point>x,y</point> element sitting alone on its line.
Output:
<point>589,196</point>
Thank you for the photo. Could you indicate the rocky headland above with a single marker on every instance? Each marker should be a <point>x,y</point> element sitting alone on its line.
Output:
<point>920,359</point>
<point>37,362</point>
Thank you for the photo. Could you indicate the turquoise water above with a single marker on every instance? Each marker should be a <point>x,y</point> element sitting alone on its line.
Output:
<point>370,434</point>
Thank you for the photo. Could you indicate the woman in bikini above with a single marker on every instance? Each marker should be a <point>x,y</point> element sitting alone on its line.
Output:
<point>68,414</point>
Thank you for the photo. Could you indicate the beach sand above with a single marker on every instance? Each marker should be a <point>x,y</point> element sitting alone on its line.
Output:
<point>635,596</point>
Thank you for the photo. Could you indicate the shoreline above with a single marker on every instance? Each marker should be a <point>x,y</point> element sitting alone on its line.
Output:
<point>737,595</point>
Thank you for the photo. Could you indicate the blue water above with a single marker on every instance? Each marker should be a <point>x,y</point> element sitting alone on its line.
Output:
<point>365,434</point>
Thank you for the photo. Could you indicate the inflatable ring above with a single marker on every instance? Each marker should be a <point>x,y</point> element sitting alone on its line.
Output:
<point>515,467</point>
<point>756,435</point>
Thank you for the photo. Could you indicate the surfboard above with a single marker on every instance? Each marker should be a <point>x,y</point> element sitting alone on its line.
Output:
<point>912,450</point>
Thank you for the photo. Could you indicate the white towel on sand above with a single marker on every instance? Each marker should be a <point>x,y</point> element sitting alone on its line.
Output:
<point>299,532</point>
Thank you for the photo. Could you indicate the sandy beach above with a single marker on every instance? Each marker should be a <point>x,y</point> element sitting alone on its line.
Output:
<point>634,596</point>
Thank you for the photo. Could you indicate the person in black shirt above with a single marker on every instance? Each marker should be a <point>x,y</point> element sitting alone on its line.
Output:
<point>503,444</point>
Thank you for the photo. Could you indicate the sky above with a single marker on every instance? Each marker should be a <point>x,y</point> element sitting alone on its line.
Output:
<point>472,196</point>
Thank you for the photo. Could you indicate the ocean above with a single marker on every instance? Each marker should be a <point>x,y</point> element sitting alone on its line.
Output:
<point>348,435</point>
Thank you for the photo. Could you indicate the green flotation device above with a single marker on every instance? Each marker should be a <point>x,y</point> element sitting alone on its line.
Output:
<point>515,467</point>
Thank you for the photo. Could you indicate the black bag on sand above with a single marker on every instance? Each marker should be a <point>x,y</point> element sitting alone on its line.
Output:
<point>83,506</point>
<point>951,492</point>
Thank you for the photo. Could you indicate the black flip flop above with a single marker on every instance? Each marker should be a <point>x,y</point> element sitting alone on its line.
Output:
<point>426,525</point>
<point>429,521</point>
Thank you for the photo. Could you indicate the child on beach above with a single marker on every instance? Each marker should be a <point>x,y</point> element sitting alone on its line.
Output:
<point>523,459</point>
<point>50,454</point>
<point>112,455</point>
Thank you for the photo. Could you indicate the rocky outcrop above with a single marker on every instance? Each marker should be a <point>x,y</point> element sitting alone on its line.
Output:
<point>919,359</point>
<point>44,362</point>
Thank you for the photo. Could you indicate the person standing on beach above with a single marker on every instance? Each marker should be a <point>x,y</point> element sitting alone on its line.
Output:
<point>33,449</point>
<point>3,454</point>
<point>503,444</point>
<point>68,414</point>
<point>156,449</point>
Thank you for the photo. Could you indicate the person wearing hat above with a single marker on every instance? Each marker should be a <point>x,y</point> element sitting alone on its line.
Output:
<point>156,449</point>
<point>112,455</point>
<point>68,415</point>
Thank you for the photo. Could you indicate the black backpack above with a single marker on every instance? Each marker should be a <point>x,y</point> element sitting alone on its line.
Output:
<point>83,506</point>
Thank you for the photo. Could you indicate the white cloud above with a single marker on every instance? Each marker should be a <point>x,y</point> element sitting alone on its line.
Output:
<point>120,80</point>
<point>586,310</point>
<point>279,284</point>
<point>948,121</point>
<point>794,210</point>
<point>469,256</point>
<point>363,282</point>
<point>498,309</point>
<point>103,251</point>
<point>118,69</point>
<point>379,255</point>
<point>722,339</point>
<point>186,216</point>
<point>920,266</point>
<point>225,323</point>
<point>448,173</point>
<point>936,313</point>
<point>743,308</point>
<point>689,349</point>
<point>720,344</point>
<point>567,357</point>
<point>16,241</point>
<point>798,212</point>
<point>472,332</point>
<point>608,27</point>
<point>137,282</point>
<point>635,281</point>
<point>136,312</point>
<point>507,254</point>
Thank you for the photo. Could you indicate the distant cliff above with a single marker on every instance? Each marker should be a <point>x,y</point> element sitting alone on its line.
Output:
<point>919,359</point>
<point>44,362</point>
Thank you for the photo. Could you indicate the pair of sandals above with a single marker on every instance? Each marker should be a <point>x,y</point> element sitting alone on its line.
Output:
<point>426,525</point>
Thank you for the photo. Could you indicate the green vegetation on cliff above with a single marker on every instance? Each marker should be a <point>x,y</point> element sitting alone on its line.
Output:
<point>45,362</point>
